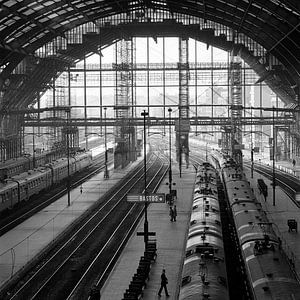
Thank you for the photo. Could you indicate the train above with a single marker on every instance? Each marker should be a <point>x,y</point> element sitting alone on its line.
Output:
<point>204,271</point>
<point>15,166</point>
<point>270,272</point>
<point>24,163</point>
<point>21,187</point>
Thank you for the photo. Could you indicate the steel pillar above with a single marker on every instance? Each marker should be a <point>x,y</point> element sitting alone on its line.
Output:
<point>182,127</point>
<point>236,107</point>
<point>125,133</point>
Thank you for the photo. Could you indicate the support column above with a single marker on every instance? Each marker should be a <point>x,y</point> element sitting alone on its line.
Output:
<point>236,106</point>
<point>182,126</point>
<point>125,133</point>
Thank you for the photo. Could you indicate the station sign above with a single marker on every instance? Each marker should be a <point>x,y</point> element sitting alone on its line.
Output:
<point>150,198</point>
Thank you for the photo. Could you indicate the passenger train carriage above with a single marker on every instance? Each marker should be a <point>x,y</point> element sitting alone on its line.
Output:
<point>270,273</point>
<point>21,187</point>
<point>204,272</point>
<point>19,165</point>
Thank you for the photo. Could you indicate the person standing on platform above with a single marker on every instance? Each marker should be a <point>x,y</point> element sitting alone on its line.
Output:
<point>174,213</point>
<point>171,214</point>
<point>163,284</point>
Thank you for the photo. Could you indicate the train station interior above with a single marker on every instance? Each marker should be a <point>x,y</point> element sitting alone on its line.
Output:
<point>120,75</point>
<point>226,69</point>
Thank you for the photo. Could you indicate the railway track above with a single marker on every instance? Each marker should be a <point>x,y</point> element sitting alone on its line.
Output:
<point>36,203</point>
<point>69,270</point>
<point>289,184</point>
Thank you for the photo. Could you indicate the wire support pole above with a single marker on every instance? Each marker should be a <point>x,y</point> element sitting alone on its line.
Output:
<point>146,226</point>
<point>273,169</point>
<point>106,175</point>
<point>68,154</point>
<point>170,153</point>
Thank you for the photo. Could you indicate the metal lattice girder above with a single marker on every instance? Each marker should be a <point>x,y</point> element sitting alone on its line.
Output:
<point>236,101</point>
<point>152,121</point>
<point>183,78</point>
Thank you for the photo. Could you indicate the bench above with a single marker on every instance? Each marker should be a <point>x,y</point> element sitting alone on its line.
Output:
<point>132,295</point>
<point>139,279</point>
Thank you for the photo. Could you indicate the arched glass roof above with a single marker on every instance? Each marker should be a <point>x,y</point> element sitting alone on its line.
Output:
<point>41,29</point>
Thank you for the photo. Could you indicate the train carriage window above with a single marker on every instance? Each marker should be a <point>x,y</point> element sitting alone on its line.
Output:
<point>188,253</point>
<point>186,280</point>
<point>193,222</point>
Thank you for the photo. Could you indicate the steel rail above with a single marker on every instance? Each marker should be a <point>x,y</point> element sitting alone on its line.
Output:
<point>289,191</point>
<point>122,243</point>
<point>83,226</point>
<point>53,198</point>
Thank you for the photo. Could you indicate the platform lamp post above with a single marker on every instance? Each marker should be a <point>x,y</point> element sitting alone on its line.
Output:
<point>170,154</point>
<point>106,175</point>
<point>146,227</point>
<point>273,173</point>
<point>68,154</point>
<point>179,142</point>
<point>252,152</point>
<point>33,148</point>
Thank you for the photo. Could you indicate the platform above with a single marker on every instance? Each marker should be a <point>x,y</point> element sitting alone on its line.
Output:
<point>279,214</point>
<point>23,243</point>
<point>283,165</point>
<point>171,240</point>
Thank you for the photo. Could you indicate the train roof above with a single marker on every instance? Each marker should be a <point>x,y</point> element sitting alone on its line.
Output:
<point>12,162</point>
<point>30,174</point>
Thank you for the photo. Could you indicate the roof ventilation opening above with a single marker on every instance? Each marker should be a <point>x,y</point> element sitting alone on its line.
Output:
<point>265,288</point>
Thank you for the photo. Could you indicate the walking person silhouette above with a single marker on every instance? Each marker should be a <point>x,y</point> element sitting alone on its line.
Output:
<point>163,284</point>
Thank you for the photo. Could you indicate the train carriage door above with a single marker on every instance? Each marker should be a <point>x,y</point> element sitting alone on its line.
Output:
<point>26,190</point>
<point>75,164</point>
<point>11,197</point>
<point>2,200</point>
<point>18,192</point>
<point>51,176</point>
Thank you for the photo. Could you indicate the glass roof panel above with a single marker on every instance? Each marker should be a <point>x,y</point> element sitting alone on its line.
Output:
<point>53,15</point>
<point>26,44</point>
<point>28,28</point>
<point>9,22</point>
<point>65,22</point>
<point>44,19</point>
<point>10,3</point>
<point>80,5</point>
<point>17,34</point>
<point>28,12</point>
<point>10,40</point>
<point>47,3</point>
<point>38,7</point>
<point>56,26</point>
